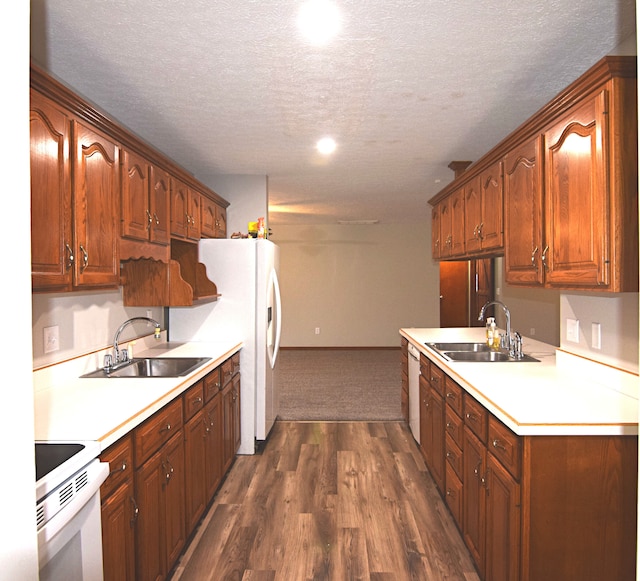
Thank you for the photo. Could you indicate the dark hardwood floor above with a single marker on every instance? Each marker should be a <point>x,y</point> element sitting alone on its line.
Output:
<point>329,501</point>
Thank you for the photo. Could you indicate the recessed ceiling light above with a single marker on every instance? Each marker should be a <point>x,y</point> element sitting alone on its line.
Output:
<point>326,145</point>
<point>319,21</point>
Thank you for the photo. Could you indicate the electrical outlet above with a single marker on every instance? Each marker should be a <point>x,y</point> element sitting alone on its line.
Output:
<point>149,313</point>
<point>51,339</point>
<point>317,330</point>
<point>573,330</point>
<point>532,332</point>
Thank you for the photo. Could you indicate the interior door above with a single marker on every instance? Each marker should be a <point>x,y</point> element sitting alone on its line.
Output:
<point>454,293</point>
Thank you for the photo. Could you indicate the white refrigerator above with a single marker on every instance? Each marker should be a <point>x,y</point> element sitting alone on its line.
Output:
<point>245,272</point>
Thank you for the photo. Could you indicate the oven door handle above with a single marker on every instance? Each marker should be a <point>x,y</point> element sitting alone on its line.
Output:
<point>54,525</point>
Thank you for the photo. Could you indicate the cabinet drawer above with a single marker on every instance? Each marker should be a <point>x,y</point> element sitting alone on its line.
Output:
<point>120,458</point>
<point>193,400</point>
<point>475,417</point>
<point>505,446</point>
<point>212,384</point>
<point>453,454</point>
<point>157,430</point>
<point>453,395</point>
<point>436,379</point>
<point>453,495</point>
<point>235,362</point>
<point>227,371</point>
<point>454,426</point>
<point>425,367</point>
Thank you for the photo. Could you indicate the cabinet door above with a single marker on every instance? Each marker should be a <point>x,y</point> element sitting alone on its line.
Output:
<point>577,197</point>
<point>473,497</point>
<point>491,195</point>
<point>457,223</point>
<point>208,218</point>
<point>150,546</point>
<point>524,244</point>
<point>436,466</point>
<point>435,232</point>
<point>118,542</point>
<point>213,445</point>
<point>236,412</point>
<point>135,215</point>
<point>174,498</point>
<point>193,225</point>
<point>96,205</point>
<point>445,227</point>
<point>472,215</point>
<point>159,206</point>
<point>195,458</point>
<point>51,233</point>
<point>221,222</point>
<point>502,524</point>
<point>179,208</point>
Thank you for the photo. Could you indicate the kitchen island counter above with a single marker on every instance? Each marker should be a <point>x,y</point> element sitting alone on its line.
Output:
<point>561,394</point>
<point>69,407</point>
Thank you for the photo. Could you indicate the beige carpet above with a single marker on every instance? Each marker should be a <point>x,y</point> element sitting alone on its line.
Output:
<point>339,384</point>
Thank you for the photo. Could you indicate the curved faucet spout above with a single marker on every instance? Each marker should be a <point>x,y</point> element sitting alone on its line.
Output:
<point>507,315</point>
<point>117,356</point>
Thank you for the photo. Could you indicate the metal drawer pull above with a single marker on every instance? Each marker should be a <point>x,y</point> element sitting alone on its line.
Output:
<point>85,258</point>
<point>472,417</point>
<point>121,469</point>
<point>196,401</point>
<point>136,511</point>
<point>497,444</point>
<point>71,258</point>
<point>166,428</point>
<point>451,395</point>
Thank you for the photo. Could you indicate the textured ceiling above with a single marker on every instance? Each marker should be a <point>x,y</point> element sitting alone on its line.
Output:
<point>229,87</point>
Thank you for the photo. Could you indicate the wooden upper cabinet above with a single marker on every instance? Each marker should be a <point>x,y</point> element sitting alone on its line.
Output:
<point>524,242</point>
<point>577,197</point>
<point>483,211</point>
<point>145,200</point>
<point>457,223</point>
<point>51,231</point>
<point>96,205</point>
<point>435,232</point>
<point>185,211</point>
<point>213,219</point>
<point>444,210</point>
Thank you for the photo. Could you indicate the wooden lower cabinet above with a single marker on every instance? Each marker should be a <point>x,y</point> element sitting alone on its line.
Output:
<point>148,513</point>
<point>160,534</point>
<point>535,508</point>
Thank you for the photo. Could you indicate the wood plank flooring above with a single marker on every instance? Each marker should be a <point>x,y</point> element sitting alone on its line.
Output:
<point>329,501</point>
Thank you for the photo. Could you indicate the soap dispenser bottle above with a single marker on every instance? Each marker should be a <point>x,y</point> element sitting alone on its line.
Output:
<point>491,330</point>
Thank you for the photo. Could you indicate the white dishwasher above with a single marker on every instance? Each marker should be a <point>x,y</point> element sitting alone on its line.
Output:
<point>414,391</point>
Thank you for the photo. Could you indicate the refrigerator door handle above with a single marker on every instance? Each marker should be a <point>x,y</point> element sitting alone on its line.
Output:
<point>273,354</point>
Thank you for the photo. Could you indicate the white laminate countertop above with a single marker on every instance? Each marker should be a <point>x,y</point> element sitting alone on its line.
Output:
<point>68,407</point>
<point>562,394</point>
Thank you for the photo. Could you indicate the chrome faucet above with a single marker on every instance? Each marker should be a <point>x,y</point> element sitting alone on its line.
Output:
<point>508,338</point>
<point>118,358</point>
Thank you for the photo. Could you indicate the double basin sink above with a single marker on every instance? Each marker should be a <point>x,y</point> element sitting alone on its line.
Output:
<point>152,367</point>
<point>475,352</point>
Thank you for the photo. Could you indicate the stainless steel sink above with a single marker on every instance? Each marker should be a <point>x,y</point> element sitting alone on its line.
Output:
<point>475,352</point>
<point>475,347</point>
<point>153,367</point>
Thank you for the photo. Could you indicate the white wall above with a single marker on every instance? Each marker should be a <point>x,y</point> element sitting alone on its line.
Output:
<point>18,556</point>
<point>358,284</point>
<point>87,322</point>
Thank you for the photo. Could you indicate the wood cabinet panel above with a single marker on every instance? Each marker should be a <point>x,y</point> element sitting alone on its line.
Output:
<point>577,197</point>
<point>453,395</point>
<point>51,230</point>
<point>453,494</point>
<point>96,189</point>
<point>194,449</point>
<point>503,523</point>
<point>214,434</point>
<point>157,430</point>
<point>159,200</point>
<point>135,216</point>
<point>193,400</point>
<point>524,244</point>
<point>475,417</point>
<point>457,224</point>
<point>118,541</point>
<point>473,505</point>
<point>505,446</point>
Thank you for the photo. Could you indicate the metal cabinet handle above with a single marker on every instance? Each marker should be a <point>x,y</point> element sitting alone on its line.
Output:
<point>117,470</point>
<point>85,258</point>
<point>451,395</point>
<point>472,417</point>
<point>70,257</point>
<point>533,258</point>
<point>156,219</point>
<point>544,257</point>
<point>497,444</point>
<point>149,219</point>
<point>136,511</point>
<point>166,428</point>
<point>196,401</point>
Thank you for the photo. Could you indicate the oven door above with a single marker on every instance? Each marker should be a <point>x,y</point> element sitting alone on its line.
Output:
<point>70,543</point>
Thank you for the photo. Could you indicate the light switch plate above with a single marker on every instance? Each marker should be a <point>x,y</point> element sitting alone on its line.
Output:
<point>596,336</point>
<point>573,330</point>
<point>51,339</point>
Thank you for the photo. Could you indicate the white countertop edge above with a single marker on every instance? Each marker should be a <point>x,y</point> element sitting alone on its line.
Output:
<point>67,387</point>
<point>547,355</point>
